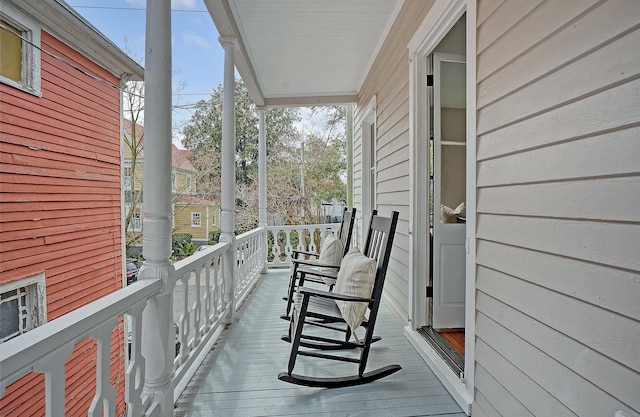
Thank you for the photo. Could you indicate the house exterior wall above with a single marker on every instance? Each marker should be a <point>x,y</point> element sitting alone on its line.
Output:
<point>182,220</point>
<point>388,81</point>
<point>60,209</point>
<point>185,183</point>
<point>558,208</point>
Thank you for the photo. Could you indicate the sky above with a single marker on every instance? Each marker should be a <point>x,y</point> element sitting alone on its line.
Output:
<point>197,56</point>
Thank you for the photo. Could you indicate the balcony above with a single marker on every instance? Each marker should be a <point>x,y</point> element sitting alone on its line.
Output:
<point>230,353</point>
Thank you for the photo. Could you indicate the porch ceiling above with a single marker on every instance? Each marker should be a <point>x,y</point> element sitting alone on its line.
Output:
<point>304,52</point>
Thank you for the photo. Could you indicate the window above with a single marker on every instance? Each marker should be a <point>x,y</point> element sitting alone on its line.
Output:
<point>174,186</point>
<point>20,52</point>
<point>188,183</point>
<point>213,217</point>
<point>195,220</point>
<point>22,306</point>
<point>127,177</point>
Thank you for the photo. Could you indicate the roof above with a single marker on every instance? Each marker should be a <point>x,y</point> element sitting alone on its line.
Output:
<point>180,159</point>
<point>60,20</point>
<point>304,52</point>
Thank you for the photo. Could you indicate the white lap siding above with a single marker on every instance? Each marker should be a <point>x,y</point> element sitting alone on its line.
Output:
<point>558,201</point>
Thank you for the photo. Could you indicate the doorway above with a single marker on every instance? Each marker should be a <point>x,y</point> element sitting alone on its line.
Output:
<point>446,118</point>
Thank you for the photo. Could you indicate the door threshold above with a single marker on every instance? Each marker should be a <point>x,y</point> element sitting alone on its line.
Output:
<point>449,355</point>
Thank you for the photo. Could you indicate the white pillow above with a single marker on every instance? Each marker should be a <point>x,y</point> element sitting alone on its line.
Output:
<point>448,215</point>
<point>331,251</point>
<point>356,276</point>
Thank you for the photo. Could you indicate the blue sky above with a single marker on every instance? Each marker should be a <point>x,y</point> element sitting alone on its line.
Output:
<point>197,55</point>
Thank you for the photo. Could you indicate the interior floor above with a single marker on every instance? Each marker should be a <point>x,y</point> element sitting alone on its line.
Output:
<point>448,343</point>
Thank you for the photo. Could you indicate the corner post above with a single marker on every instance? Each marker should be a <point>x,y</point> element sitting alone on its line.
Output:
<point>228,180</point>
<point>262,181</point>
<point>157,340</point>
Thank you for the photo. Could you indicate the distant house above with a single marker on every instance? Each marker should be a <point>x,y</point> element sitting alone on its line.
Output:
<point>60,205</point>
<point>191,213</point>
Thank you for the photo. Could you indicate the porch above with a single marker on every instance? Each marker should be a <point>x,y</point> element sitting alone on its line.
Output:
<point>239,376</point>
<point>230,352</point>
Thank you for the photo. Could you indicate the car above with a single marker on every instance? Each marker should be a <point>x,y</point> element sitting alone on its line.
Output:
<point>132,271</point>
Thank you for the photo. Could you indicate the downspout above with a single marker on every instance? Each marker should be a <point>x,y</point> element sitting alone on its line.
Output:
<point>123,213</point>
<point>349,140</point>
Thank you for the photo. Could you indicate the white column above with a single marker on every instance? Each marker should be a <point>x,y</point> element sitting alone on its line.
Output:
<point>262,181</point>
<point>157,340</point>
<point>227,197</point>
<point>262,169</point>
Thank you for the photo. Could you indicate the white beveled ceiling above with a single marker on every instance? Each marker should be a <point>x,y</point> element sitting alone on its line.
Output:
<point>304,52</point>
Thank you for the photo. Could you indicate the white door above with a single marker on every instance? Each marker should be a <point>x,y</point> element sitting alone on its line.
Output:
<point>449,172</point>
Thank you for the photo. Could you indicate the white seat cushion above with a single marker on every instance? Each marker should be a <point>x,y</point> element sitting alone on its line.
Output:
<point>356,276</point>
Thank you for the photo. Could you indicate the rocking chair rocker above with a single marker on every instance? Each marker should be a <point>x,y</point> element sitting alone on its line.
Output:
<point>321,270</point>
<point>359,287</point>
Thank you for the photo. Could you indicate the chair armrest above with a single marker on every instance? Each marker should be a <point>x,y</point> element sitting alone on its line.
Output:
<point>308,292</point>
<point>317,273</point>
<point>304,252</point>
<point>309,262</point>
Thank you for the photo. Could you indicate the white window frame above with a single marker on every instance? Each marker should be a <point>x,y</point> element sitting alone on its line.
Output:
<point>30,51</point>
<point>174,180</point>
<point>196,219</point>
<point>35,307</point>
<point>126,169</point>
<point>188,181</point>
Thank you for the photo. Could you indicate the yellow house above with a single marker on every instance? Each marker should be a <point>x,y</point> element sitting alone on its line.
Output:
<point>196,216</point>
<point>191,213</point>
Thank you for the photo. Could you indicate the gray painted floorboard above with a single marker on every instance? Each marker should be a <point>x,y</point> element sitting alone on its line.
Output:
<point>239,375</point>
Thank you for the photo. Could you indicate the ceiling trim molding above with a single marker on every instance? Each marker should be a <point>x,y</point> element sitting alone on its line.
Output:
<point>222,16</point>
<point>311,101</point>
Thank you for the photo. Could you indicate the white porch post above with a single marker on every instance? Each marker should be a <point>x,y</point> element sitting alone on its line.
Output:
<point>262,180</point>
<point>262,169</point>
<point>228,199</point>
<point>157,316</point>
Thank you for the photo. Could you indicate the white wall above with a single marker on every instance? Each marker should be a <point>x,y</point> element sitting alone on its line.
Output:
<point>558,224</point>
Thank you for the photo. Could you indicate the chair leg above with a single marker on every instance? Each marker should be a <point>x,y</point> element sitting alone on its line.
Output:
<point>290,291</point>
<point>297,323</point>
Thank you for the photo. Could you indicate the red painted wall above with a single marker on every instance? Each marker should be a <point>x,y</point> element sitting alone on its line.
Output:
<point>60,209</point>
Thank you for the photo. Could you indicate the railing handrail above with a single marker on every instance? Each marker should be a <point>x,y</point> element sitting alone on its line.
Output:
<point>18,355</point>
<point>287,248</point>
<point>199,257</point>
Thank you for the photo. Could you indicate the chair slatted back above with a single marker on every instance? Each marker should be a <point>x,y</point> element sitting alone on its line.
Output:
<point>346,229</point>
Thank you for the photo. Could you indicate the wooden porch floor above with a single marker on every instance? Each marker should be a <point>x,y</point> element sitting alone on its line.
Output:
<point>239,376</point>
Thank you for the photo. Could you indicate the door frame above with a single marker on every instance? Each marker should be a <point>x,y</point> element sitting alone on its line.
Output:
<point>369,166</point>
<point>440,19</point>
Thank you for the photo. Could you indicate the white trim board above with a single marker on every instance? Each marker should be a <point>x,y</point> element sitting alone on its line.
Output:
<point>440,19</point>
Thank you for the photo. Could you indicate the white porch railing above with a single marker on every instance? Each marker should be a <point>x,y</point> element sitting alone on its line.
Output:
<point>200,311</point>
<point>284,239</point>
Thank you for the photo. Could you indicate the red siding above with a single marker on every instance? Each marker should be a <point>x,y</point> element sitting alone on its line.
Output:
<point>60,209</point>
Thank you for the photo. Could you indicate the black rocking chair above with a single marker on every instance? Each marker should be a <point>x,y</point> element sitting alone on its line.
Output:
<point>317,308</point>
<point>314,270</point>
